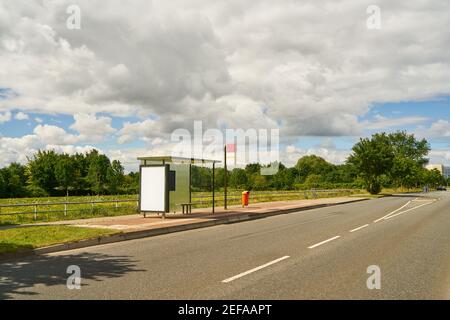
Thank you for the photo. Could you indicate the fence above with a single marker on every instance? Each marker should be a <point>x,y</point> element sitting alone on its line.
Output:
<point>234,197</point>
<point>65,206</point>
<point>199,200</point>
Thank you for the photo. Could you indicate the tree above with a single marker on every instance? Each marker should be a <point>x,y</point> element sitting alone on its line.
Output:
<point>219,179</point>
<point>2,186</point>
<point>201,178</point>
<point>408,146</point>
<point>14,181</point>
<point>434,178</point>
<point>312,164</point>
<point>345,173</point>
<point>65,172</point>
<point>115,176</point>
<point>259,182</point>
<point>238,178</point>
<point>131,183</point>
<point>313,181</point>
<point>81,167</point>
<point>253,168</point>
<point>98,168</point>
<point>284,179</point>
<point>373,158</point>
<point>41,170</point>
<point>409,158</point>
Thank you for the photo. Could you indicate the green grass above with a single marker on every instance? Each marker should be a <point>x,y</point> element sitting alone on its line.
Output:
<point>75,211</point>
<point>27,238</point>
<point>85,211</point>
<point>71,198</point>
<point>234,198</point>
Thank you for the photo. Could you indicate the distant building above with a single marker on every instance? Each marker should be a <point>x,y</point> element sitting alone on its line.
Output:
<point>444,170</point>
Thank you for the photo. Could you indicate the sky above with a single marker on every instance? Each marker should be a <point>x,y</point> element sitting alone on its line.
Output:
<point>133,72</point>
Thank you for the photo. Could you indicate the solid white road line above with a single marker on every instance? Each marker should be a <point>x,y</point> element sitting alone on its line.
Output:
<point>393,211</point>
<point>359,228</point>
<point>323,242</point>
<point>422,205</point>
<point>240,275</point>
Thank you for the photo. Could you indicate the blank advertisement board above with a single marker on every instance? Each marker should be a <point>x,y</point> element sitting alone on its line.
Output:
<point>153,195</point>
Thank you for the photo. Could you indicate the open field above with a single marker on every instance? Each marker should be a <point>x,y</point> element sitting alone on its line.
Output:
<point>68,208</point>
<point>47,210</point>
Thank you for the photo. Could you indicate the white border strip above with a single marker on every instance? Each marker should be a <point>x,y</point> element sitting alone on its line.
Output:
<point>422,205</point>
<point>393,212</point>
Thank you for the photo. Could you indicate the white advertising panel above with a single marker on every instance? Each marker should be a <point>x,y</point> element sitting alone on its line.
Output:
<point>153,189</point>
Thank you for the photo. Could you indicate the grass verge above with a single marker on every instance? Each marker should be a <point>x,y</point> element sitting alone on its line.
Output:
<point>27,238</point>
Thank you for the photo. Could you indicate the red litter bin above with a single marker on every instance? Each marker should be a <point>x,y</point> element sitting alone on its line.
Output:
<point>245,197</point>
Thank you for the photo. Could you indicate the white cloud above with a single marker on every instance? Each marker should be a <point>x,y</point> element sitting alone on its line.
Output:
<point>71,149</point>
<point>440,156</point>
<point>128,157</point>
<point>137,131</point>
<point>5,117</point>
<point>44,137</point>
<point>53,135</point>
<point>381,122</point>
<point>309,68</point>
<point>438,129</point>
<point>21,116</point>
<point>190,60</point>
<point>336,156</point>
<point>92,128</point>
<point>17,149</point>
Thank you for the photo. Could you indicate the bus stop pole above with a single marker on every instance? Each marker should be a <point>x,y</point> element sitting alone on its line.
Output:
<point>213,187</point>
<point>225,177</point>
<point>190,182</point>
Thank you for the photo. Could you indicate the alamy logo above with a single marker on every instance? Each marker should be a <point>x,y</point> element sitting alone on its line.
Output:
<point>74,280</point>
<point>374,281</point>
<point>73,22</point>
<point>374,20</point>
<point>251,145</point>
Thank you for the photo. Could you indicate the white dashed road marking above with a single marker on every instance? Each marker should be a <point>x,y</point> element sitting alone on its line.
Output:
<point>323,242</point>
<point>359,228</point>
<point>240,275</point>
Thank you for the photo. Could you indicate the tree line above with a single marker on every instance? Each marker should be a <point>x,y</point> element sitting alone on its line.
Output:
<point>48,173</point>
<point>395,160</point>
<point>384,160</point>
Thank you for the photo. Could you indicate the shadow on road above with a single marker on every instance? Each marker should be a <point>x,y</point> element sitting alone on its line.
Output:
<point>17,278</point>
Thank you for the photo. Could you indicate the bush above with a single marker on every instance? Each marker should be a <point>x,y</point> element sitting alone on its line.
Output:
<point>374,187</point>
<point>36,192</point>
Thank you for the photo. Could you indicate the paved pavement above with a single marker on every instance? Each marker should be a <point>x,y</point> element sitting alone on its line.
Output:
<point>137,222</point>
<point>316,254</point>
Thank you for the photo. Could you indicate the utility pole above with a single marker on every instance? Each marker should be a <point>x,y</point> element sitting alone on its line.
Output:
<point>225,177</point>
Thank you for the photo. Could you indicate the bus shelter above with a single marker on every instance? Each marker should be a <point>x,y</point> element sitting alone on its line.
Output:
<point>166,184</point>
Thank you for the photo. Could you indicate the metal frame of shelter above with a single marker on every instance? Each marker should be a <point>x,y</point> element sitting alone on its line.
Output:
<point>163,160</point>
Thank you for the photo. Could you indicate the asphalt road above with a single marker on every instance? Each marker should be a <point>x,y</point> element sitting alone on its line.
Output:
<point>317,254</point>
